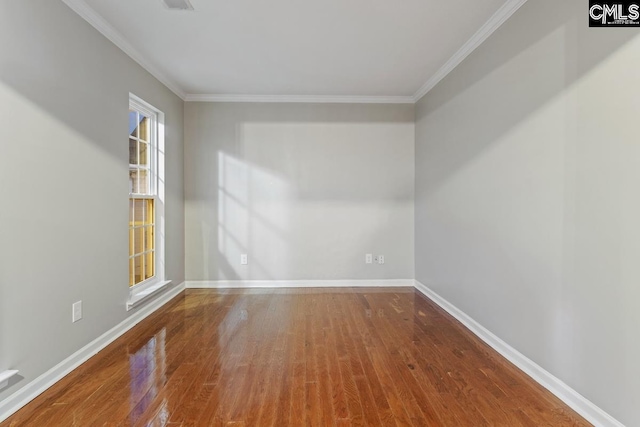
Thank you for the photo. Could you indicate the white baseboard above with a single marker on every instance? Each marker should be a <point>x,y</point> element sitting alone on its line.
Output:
<point>30,391</point>
<point>226,284</point>
<point>575,400</point>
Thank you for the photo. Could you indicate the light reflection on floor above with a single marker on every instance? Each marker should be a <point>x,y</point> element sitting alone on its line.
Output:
<point>147,369</point>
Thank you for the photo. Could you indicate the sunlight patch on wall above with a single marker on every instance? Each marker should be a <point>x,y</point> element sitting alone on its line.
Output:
<point>244,222</point>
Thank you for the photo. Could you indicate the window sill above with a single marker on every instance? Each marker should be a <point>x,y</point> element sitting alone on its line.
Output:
<point>137,297</point>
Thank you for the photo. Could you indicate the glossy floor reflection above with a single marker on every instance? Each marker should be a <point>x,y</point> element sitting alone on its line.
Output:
<point>319,357</point>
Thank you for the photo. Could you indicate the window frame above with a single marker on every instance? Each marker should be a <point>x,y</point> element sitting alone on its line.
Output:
<point>155,176</point>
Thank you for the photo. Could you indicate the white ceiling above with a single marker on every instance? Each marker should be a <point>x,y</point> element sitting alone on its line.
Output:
<point>385,50</point>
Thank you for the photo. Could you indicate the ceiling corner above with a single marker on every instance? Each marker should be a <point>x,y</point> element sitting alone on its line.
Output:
<point>99,23</point>
<point>497,19</point>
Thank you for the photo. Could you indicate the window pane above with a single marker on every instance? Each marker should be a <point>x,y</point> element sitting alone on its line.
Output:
<point>133,182</point>
<point>142,275</point>
<point>148,212</point>
<point>143,181</point>
<point>132,211</point>
<point>131,242</point>
<point>141,240</point>
<point>144,150</point>
<point>139,181</point>
<point>149,267</point>
<point>142,212</point>
<point>138,211</point>
<point>133,151</point>
<point>132,277</point>
<point>133,123</point>
<point>137,269</point>
<point>148,238</point>
<point>143,128</point>
<point>138,238</point>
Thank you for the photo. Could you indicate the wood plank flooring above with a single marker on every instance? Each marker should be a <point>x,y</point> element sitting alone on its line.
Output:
<point>297,357</point>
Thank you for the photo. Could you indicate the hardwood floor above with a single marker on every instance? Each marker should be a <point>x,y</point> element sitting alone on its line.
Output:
<point>315,357</point>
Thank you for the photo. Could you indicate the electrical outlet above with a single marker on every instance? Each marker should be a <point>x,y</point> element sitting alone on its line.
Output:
<point>76,311</point>
<point>368,258</point>
<point>244,259</point>
<point>380,259</point>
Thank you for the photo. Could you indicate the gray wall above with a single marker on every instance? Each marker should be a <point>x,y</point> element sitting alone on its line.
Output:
<point>64,183</point>
<point>528,201</point>
<point>305,190</point>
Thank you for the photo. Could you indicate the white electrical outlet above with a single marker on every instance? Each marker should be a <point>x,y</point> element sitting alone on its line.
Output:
<point>244,260</point>
<point>368,258</point>
<point>76,311</point>
<point>380,259</point>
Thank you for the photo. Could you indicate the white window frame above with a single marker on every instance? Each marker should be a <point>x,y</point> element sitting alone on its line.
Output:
<point>143,290</point>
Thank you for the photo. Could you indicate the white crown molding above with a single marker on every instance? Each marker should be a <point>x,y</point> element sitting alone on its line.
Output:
<point>246,284</point>
<point>34,388</point>
<point>99,23</point>
<point>587,409</point>
<point>496,20</point>
<point>320,99</point>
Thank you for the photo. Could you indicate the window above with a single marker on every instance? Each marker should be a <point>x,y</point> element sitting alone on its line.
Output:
<point>145,190</point>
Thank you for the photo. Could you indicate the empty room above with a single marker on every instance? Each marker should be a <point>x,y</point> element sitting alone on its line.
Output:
<point>338,213</point>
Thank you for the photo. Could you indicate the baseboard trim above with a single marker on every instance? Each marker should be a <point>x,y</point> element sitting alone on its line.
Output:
<point>26,394</point>
<point>245,284</point>
<point>575,400</point>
